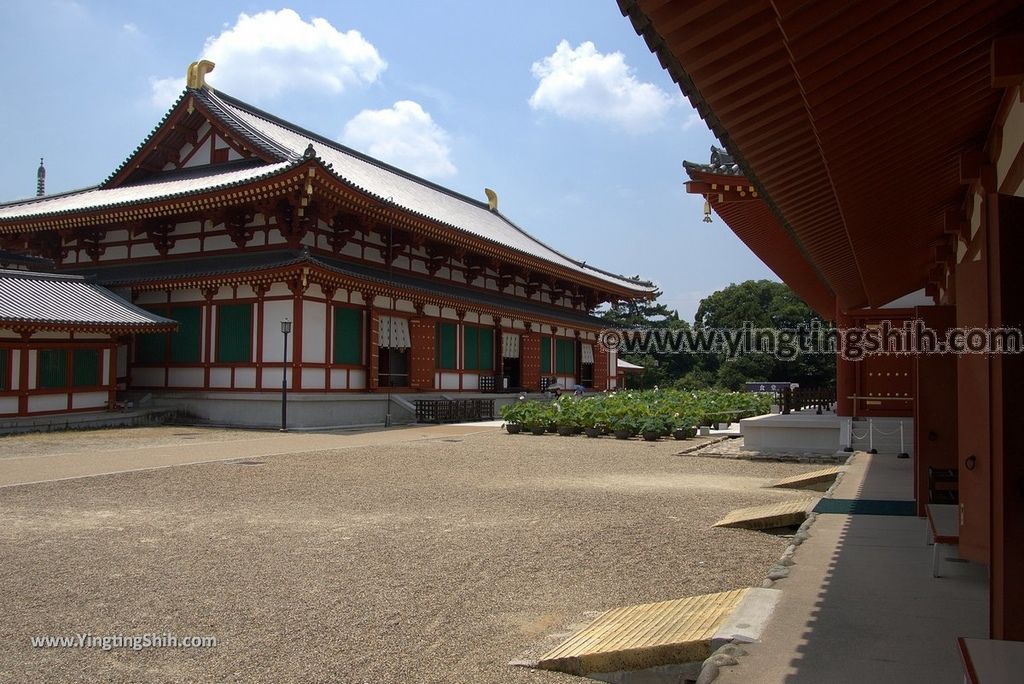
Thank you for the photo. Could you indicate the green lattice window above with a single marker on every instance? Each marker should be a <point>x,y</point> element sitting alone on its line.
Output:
<point>52,369</point>
<point>348,335</point>
<point>234,333</point>
<point>445,347</point>
<point>5,369</point>
<point>85,368</point>
<point>186,343</point>
<point>565,356</point>
<point>151,347</point>
<point>545,355</point>
<point>478,348</point>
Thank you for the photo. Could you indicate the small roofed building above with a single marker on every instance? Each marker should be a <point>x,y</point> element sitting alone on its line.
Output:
<point>59,341</point>
<point>229,220</point>
<point>626,370</point>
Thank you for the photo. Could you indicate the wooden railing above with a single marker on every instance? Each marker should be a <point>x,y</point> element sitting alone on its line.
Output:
<point>819,398</point>
<point>453,410</point>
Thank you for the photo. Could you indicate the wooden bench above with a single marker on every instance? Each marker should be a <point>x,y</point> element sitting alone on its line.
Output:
<point>944,526</point>
<point>990,661</point>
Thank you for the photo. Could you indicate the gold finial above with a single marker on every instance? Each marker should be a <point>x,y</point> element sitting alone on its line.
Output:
<point>492,199</point>
<point>196,74</point>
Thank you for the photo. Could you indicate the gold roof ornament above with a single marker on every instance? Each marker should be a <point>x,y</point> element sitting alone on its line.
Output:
<point>195,77</point>
<point>492,199</point>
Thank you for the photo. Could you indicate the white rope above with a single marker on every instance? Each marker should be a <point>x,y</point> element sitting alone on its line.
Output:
<point>856,436</point>
<point>884,433</point>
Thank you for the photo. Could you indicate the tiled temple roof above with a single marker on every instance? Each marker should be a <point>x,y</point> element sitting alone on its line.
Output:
<point>46,299</point>
<point>282,146</point>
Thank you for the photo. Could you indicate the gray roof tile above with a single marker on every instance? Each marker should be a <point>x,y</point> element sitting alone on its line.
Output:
<point>48,299</point>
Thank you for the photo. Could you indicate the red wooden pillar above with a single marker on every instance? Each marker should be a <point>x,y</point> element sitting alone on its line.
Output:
<point>1006,307</point>
<point>600,367</point>
<point>23,375</point>
<point>421,356</point>
<point>529,360</point>
<point>372,352</point>
<point>846,373</point>
<point>298,288</point>
<point>498,354</point>
<point>211,353</point>
<point>261,291</point>
<point>935,439</point>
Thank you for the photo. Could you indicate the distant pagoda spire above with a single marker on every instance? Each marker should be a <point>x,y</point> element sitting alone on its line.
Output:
<point>40,179</point>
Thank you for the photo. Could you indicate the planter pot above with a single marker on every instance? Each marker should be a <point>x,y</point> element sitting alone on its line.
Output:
<point>681,434</point>
<point>552,428</point>
<point>538,429</point>
<point>513,428</point>
<point>623,434</point>
<point>652,435</point>
<point>566,430</point>
<point>593,432</point>
<point>606,430</point>
<point>723,426</point>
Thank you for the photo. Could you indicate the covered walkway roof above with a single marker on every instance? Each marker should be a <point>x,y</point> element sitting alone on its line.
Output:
<point>856,123</point>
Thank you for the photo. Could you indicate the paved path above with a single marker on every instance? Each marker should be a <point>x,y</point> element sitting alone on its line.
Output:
<point>90,459</point>
<point>861,605</point>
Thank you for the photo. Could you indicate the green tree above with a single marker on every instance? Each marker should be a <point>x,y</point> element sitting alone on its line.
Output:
<point>762,304</point>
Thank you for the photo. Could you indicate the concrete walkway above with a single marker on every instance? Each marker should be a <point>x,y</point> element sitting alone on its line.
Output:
<point>91,460</point>
<point>861,605</point>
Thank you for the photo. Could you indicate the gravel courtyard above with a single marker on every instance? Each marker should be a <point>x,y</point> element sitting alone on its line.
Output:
<point>436,560</point>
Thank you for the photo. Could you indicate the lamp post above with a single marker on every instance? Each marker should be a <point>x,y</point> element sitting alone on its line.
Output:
<point>286,327</point>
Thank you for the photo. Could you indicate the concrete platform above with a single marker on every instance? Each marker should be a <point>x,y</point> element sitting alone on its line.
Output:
<point>812,480</point>
<point>797,432</point>
<point>86,420</point>
<point>769,516</point>
<point>644,636</point>
<point>860,604</point>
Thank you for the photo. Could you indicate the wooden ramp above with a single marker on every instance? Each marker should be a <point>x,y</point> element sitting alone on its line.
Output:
<point>815,478</point>
<point>782,514</point>
<point>647,635</point>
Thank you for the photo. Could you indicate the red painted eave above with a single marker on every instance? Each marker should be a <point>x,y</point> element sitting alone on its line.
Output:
<point>849,118</point>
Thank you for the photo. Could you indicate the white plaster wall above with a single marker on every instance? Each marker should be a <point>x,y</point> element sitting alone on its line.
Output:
<point>15,369</point>
<point>8,404</point>
<point>339,378</point>
<point>470,381</point>
<point>190,295</point>
<point>148,377</point>
<point>185,377</point>
<point>273,340</point>
<point>47,402</point>
<point>245,378</point>
<point>447,381</point>
<point>314,327</point>
<point>313,378</point>
<point>357,379</point>
<point>33,364</point>
<point>84,400</point>
<point>220,377</point>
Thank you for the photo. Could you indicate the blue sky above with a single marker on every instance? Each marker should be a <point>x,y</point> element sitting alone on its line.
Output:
<point>558,105</point>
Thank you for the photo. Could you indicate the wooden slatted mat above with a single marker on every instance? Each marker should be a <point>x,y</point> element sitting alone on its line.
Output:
<point>815,477</point>
<point>780,514</point>
<point>647,635</point>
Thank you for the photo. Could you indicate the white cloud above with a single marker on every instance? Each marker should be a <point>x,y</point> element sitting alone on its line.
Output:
<point>269,53</point>
<point>130,28</point>
<point>404,135</point>
<point>164,91</point>
<point>583,84</point>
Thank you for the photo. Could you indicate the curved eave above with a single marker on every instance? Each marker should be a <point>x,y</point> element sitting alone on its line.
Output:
<point>643,290</point>
<point>114,329</point>
<point>321,274</point>
<point>757,227</point>
<point>164,205</point>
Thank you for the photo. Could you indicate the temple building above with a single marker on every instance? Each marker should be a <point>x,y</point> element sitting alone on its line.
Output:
<point>227,221</point>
